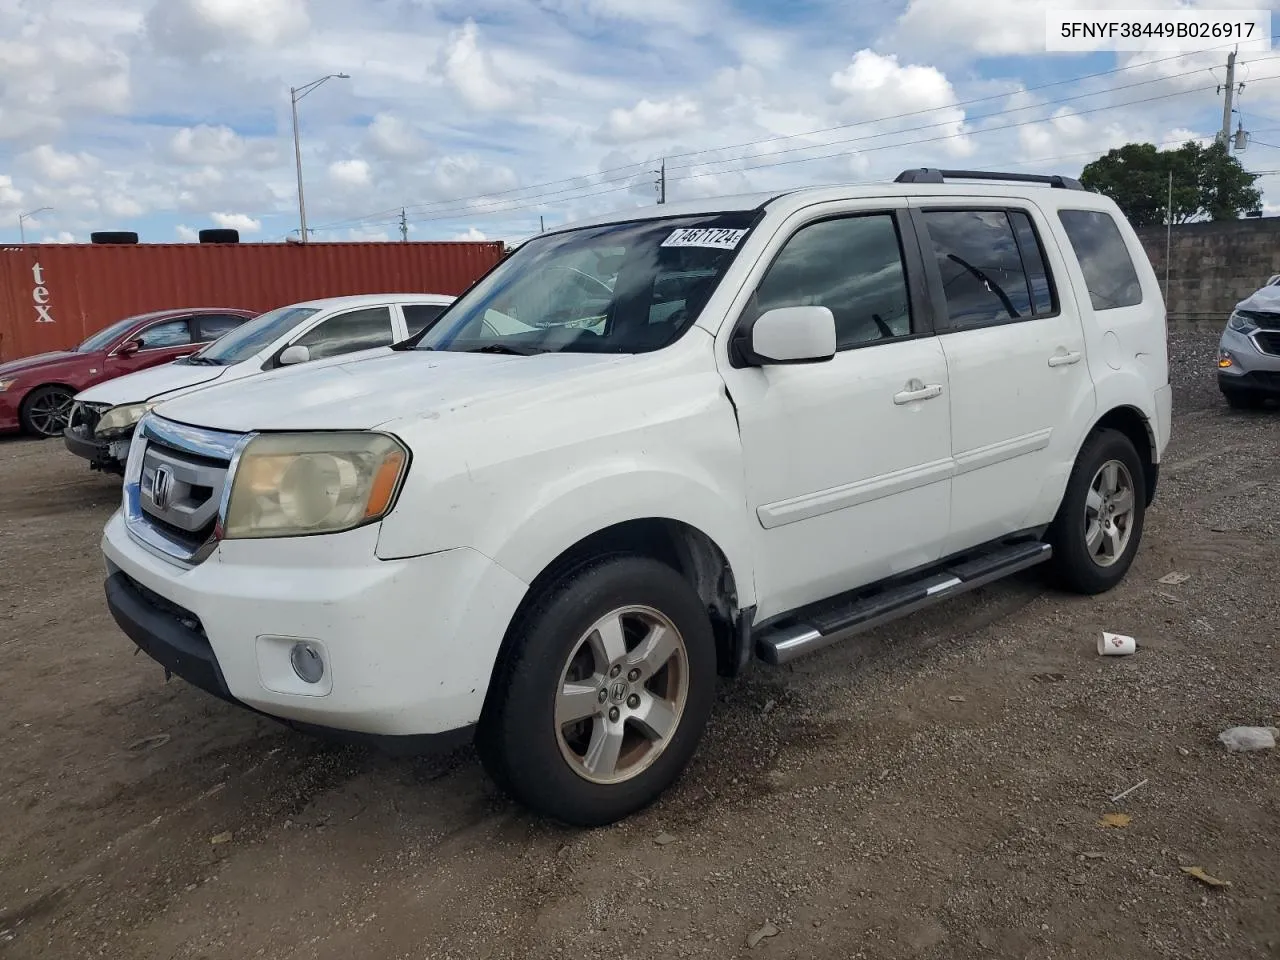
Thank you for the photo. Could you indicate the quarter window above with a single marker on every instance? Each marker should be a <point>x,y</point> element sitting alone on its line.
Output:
<point>419,316</point>
<point>349,332</point>
<point>1104,258</point>
<point>214,325</point>
<point>852,266</point>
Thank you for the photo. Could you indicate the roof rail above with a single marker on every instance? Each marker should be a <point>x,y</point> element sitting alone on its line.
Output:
<point>933,175</point>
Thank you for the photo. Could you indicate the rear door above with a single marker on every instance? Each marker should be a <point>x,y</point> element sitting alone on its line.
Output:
<point>1010,328</point>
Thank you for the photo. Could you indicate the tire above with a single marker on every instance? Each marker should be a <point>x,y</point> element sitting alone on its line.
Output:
<point>1092,562</point>
<point>38,407</point>
<point>219,235</point>
<point>546,762</point>
<point>113,236</point>
<point>1242,400</point>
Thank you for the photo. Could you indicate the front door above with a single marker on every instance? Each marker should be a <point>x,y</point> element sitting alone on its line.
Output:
<point>162,342</point>
<point>1021,395</point>
<point>847,461</point>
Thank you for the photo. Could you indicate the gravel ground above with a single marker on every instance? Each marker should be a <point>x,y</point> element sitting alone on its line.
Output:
<point>932,790</point>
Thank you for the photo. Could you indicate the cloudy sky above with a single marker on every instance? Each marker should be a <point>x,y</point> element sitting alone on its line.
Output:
<point>480,117</point>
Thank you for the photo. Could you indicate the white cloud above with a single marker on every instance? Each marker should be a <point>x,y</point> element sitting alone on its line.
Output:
<point>350,173</point>
<point>393,138</point>
<point>204,144</point>
<point>471,234</point>
<point>236,221</point>
<point>49,164</point>
<point>648,119</point>
<point>186,234</point>
<point>474,74</point>
<point>118,205</point>
<point>62,236</point>
<point>873,86</point>
<point>201,26</point>
<point>10,196</point>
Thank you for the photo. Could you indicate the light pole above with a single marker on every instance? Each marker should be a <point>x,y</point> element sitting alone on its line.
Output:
<point>22,222</point>
<point>296,94</point>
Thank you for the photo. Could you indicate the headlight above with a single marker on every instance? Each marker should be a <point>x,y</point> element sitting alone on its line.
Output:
<point>6,384</point>
<point>1241,323</point>
<point>121,418</point>
<point>292,484</point>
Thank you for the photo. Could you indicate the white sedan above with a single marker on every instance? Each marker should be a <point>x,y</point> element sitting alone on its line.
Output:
<point>103,417</point>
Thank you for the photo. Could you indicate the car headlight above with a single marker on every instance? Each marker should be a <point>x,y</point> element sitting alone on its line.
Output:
<point>121,418</point>
<point>293,484</point>
<point>6,384</point>
<point>1241,323</point>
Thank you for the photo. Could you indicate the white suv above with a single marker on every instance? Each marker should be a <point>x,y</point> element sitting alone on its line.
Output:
<point>644,450</point>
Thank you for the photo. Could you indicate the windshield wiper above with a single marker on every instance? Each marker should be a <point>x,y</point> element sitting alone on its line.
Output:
<point>506,349</point>
<point>203,361</point>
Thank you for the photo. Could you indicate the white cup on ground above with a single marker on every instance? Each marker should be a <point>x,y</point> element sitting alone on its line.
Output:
<point>1116,645</point>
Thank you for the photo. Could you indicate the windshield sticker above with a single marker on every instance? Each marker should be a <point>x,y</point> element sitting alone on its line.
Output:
<point>715,237</point>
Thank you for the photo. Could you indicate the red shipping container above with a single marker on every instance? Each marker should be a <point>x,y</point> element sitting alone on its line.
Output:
<point>53,296</point>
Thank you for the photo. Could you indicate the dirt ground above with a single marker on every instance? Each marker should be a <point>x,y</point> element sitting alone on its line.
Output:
<point>933,790</point>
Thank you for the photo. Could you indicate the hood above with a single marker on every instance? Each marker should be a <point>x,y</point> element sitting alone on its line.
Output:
<point>150,383</point>
<point>1266,300</point>
<point>362,394</point>
<point>24,364</point>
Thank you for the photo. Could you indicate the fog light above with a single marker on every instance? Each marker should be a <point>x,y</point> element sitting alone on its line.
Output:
<point>307,663</point>
<point>1224,359</point>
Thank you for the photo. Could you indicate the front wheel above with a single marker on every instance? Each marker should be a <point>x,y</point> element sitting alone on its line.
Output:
<point>1099,524</point>
<point>46,410</point>
<point>604,693</point>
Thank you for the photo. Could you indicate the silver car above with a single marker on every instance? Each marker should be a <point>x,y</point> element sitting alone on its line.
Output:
<point>1249,351</point>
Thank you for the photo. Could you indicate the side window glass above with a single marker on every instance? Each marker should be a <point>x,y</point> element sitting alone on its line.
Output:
<point>419,316</point>
<point>349,332</point>
<point>214,325</point>
<point>982,274</point>
<point>1043,296</point>
<point>853,266</point>
<point>171,333</point>
<point>1104,258</point>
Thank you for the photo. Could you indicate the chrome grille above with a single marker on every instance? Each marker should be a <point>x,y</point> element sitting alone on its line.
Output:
<point>174,487</point>
<point>1268,341</point>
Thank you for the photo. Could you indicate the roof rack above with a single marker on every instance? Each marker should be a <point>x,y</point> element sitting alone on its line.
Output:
<point>933,175</point>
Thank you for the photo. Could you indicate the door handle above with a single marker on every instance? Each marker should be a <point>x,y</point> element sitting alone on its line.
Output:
<point>917,391</point>
<point>1065,359</point>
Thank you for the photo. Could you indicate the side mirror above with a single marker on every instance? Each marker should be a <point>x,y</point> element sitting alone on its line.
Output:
<point>129,348</point>
<point>295,354</point>
<point>791,335</point>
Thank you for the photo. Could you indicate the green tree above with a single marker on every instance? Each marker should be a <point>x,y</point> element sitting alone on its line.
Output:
<point>1208,183</point>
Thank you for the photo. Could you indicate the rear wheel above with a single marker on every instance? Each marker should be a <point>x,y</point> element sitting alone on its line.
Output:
<point>1099,524</point>
<point>45,411</point>
<point>604,696</point>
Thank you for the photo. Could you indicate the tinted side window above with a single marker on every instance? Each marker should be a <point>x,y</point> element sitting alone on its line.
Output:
<point>419,316</point>
<point>982,274</point>
<point>1108,269</point>
<point>349,332</point>
<point>214,325</point>
<point>1043,296</point>
<point>853,266</point>
<point>171,333</point>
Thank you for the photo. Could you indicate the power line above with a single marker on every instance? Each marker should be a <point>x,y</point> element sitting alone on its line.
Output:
<point>632,171</point>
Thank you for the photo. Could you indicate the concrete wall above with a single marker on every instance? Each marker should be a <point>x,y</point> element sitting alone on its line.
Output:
<point>1213,267</point>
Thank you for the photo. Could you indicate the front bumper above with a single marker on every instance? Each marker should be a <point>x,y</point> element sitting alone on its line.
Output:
<point>408,646</point>
<point>9,412</point>
<point>105,455</point>
<point>1262,383</point>
<point>1252,369</point>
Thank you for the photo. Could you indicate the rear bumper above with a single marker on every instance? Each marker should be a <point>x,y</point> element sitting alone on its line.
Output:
<point>101,454</point>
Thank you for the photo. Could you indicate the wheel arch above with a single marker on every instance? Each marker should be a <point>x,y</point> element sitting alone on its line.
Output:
<point>1137,426</point>
<point>685,548</point>
<point>26,396</point>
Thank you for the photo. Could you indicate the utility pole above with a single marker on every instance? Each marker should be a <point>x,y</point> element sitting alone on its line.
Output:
<point>404,226</point>
<point>662,181</point>
<point>542,224</point>
<point>1230,88</point>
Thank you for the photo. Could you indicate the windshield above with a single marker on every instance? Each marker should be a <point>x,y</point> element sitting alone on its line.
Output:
<point>622,288</point>
<point>104,338</point>
<point>248,338</point>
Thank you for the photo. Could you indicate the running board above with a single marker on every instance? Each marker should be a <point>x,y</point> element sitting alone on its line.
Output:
<point>831,624</point>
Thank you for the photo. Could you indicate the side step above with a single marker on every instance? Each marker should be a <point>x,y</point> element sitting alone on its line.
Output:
<point>828,624</point>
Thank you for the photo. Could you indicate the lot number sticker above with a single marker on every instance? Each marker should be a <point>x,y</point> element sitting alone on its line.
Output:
<point>716,238</point>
